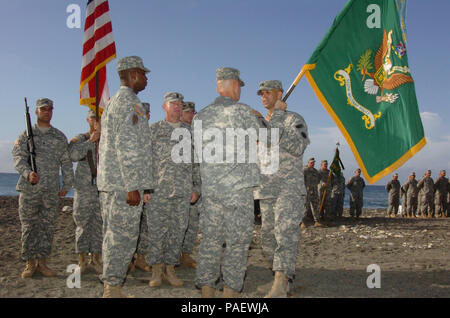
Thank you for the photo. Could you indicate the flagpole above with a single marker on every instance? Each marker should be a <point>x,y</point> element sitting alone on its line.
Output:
<point>97,119</point>
<point>294,84</point>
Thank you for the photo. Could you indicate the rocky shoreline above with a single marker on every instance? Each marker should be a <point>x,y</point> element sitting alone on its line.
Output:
<point>412,254</point>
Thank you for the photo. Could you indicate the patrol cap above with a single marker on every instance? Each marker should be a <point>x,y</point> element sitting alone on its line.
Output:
<point>187,106</point>
<point>311,160</point>
<point>396,174</point>
<point>428,171</point>
<point>91,113</point>
<point>269,85</point>
<point>146,106</point>
<point>358,170</point>
<point>173,97</point>
<point>42,102</point>
<point>227,73</point>
<point>129,62</point>
<point>324,161</point>
<point>413,174</point>
<point>442,171</point>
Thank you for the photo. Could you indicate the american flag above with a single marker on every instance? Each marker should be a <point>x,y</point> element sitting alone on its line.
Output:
<point>98,49</point>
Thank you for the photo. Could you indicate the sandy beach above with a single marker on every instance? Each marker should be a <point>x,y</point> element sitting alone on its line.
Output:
<point>413,256</point>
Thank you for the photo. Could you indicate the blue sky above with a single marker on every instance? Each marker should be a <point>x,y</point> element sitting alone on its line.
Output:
<point>184,41</point>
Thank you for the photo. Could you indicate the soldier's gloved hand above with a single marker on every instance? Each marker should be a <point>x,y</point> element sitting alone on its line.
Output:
<point>133,198</point>
<point>33,177</point>
<point>63,193</point>
<point>280,105</point>
<point>194,197</point>
<point>147,197</point>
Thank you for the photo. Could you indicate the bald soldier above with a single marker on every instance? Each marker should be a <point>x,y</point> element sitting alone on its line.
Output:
<point>393,188</point>
<point>187,114</point>
<point>356,185</point>
<point>411,191</point>
<point>282,192</point>
<point>440,195</point>
<point>124,173</point>
<point>177,184</point>
<point>40,191</point>
<point>426,186</point>
<point>86,203</point>
<point>227,188</point>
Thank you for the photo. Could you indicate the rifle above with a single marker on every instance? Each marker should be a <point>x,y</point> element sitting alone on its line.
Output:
<point>30,138</point>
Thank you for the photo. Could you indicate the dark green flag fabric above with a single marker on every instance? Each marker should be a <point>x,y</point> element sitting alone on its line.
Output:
<point>361,75</point>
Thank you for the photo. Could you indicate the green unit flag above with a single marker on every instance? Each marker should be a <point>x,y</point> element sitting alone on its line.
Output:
<point>360,73</point>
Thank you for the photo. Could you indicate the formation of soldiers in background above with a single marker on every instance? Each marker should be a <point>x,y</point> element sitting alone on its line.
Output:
<point>137,208</point>
<point>423,198</point>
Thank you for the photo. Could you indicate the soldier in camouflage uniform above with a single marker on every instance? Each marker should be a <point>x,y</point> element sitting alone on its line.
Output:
<point>283,191</point>
<point>426,185</point>
<point>325,186</point>
<point>86,203</point>
<point>440,195</point>
<point>39,191</point>
<point>356,186</point>
<point>338,195</point>
<point>177,184</point>
<point>227,188</point>
<point>393,188</point>
<point>312,179</point>
<point>411,192</point>
<point>124,172</point>
<point>191,232</point>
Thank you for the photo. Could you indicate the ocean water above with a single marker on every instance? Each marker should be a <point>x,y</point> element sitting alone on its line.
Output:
<point>375,197</point>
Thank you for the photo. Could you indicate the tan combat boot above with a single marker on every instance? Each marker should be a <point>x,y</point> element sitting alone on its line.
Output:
<point>82,262</point>
<point>279,287</point>
<point>95,263</point>
<point>114,292</point>
<point>170,276</point>
<point>208,292</point>
<point>188,261</point>
<point>156,279</point>
<point>30,268</point>
<point>319,224</point>
<point>141,263</point>
<point>43,269</point>
<point>230,293</point>
<point>303,225</point>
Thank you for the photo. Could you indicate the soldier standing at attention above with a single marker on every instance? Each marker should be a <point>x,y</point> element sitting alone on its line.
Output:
<point>325,185</point>
<point>356,185</point>
<point>426,185</point>
<point>191,232</point>
<point>282,192</point>
<point>124,173</point>
<point>227,189</point>
<point>86,203</point>
<point>39,191</point>
<point>411,192</point>
<point>393,188</point>
<point>440,195</point>
<point>177,184</point>
<point>337,199</point>
<point>312,202</point>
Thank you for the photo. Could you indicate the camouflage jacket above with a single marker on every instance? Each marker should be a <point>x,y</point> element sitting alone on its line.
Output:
<point>393,188</point>
<point>312,179</point>
<point>51,156</point>
<point>356,185</point>
<point>410,188</point>
<point>441,186</point>
<point>173,179</point>
<point>78,151</point>
<point>426,185</point>
<point>125,159</point>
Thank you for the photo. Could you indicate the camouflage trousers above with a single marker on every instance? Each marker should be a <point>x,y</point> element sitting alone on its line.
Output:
<point>411,205</point>
<point>426,206</point>
<point>38,213</point>
<point>167,219</point>
<point>311,207</point>
<point>326,207</point>
<point>192,229</point>
<point>393,203</point>
<point>281,218</point>
<point>143,246</point>
<point>440,204</point>
<point>404,204</point>
<point>336,204</point>
<point>225,218</point>
<point>356,204</point>
<point>120,235</point>
<point>88,222</point>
